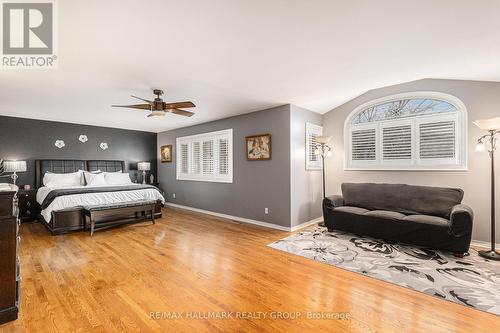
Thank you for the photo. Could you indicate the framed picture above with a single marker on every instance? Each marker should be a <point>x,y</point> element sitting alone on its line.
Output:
<point>258,147</point>
<point>166,153</point>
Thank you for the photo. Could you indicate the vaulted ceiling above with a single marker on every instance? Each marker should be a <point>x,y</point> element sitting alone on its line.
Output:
<point>235,56</point>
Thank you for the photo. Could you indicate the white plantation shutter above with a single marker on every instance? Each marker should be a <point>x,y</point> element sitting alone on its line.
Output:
<point>363,145</point>
<point>313,161</point>
<point>409,131</point>
<point>406,144</point>
<point>223,156</point>
<point>311,147</point>
<point>397,143</point>
<point>184,158</point>
<point>196,157</point>
<point>437,140</point>
<point>209,157</point>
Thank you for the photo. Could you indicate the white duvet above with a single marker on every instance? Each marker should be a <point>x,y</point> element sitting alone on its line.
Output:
<point>75,200</point>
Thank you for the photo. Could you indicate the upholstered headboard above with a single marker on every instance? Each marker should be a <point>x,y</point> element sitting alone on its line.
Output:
<point>106,166</point>
<point>56,166</point>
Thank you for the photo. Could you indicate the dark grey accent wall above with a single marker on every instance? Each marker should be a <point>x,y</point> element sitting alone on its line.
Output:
<point>29,139</point>
<point>256,184</point>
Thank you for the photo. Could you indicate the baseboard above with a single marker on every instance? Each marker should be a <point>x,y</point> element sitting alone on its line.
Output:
<point>306,224</point>
<point>231,217</point>
<point>484,244</point>
<point>290,229</point>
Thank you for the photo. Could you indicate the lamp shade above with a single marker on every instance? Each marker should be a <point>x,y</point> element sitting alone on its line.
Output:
<point>480,147</point>
<point>323,139</point>
<point>143,166</point>
<point>14,166</point>
<point>488,124</point>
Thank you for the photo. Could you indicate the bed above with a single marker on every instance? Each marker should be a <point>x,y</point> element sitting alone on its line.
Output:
<point>62,210</point>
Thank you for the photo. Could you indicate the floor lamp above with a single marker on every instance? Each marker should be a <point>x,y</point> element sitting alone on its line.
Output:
<point>324,150</point>
<point>493,128</point>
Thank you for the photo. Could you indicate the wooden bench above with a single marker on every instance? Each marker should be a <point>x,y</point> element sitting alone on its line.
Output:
<point>99,211</point>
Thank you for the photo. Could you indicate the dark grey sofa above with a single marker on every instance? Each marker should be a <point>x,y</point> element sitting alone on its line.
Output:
<point>426,216</point>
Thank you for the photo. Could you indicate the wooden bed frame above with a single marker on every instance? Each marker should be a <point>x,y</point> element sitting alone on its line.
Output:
<point>73,219</point>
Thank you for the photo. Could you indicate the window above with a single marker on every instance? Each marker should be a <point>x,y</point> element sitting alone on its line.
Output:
<point>206,157</point>
<point>413,131</point>
<point>313,161</point>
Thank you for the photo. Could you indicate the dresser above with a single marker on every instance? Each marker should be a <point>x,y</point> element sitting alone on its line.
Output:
<point>9,260</point>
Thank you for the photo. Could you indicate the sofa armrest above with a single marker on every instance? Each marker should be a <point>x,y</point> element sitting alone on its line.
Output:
<point>333,201</point>
<point>461,218</point>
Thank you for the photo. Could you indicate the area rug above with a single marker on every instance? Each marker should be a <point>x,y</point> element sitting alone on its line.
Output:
<point>472,281</point>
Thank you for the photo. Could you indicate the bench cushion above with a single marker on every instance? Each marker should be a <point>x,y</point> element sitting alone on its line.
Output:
<point>119,205</point>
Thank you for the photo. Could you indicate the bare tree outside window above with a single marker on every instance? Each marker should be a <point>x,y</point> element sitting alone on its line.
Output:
<point>403,108</point>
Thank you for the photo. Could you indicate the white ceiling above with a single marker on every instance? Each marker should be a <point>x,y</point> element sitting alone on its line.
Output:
<point>235,56</point>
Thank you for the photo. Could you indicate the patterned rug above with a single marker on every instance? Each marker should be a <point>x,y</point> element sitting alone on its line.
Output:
<point>472,281</point>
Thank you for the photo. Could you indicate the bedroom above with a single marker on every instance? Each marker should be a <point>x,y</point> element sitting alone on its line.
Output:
<point>179,165</point>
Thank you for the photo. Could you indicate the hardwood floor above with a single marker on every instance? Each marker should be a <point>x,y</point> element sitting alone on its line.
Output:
<point>201,265</point>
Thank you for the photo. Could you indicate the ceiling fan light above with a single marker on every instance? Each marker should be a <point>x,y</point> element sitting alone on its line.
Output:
<point>157,114</point>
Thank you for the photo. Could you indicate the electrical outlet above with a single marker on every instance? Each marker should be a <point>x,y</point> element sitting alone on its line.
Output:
<point>173,195</point>
<point>266,210</point>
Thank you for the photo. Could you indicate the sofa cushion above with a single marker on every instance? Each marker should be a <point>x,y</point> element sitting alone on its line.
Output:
<point>427,219</point>
<point>401,198</point>
<point>352,210</point>
<point>385,214</point>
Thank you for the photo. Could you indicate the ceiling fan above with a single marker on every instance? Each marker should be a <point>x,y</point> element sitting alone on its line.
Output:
<point>159,108</point>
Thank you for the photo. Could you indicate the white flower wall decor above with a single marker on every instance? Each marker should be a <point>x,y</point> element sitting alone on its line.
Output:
<point>103,145</point>
<point>59,144</point>
<point>83,138</point>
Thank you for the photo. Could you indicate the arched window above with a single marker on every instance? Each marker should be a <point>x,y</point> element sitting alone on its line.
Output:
<point>411,131</point>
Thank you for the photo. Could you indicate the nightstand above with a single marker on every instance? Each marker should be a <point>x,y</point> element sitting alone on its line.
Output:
<point>28,207</point>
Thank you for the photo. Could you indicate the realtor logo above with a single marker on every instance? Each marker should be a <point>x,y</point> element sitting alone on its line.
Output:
<point>28,34</point>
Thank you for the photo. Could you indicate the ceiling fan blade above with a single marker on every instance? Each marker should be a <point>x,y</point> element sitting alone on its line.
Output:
<point>181,112</point>
<point>142,99</point>
<point>134,106</point>
<point>178,105</point>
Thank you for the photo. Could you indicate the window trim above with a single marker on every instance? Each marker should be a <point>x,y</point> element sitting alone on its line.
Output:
<point>462,127</point>
<point>318,129</point>
<point>215,178</point>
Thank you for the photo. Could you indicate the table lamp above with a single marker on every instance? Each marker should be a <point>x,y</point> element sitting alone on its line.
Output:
<point>144,166</point>
<point>14,167</point>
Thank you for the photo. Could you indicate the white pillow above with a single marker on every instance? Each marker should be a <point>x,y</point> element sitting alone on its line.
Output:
<point>119,171</point>
<point>114,178</point>
<point>62,179</point>
<point>94,179</point>
<point>83,175</point>
<point>84,172</point>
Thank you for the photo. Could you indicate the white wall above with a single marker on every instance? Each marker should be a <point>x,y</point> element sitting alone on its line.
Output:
<point>482,100</point>
<point>306,185</point>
